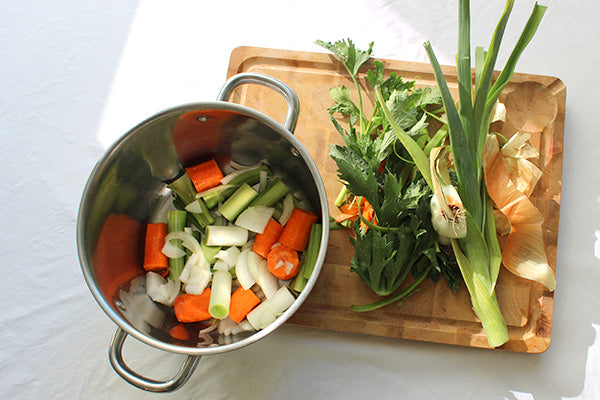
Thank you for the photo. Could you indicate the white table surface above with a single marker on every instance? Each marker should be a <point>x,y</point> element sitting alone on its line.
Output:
<point>75,75</point>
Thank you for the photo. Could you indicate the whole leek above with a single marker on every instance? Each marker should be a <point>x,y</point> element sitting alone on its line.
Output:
<point>478,253</point>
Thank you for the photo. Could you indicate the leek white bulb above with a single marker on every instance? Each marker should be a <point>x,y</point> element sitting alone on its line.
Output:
<point>448,219</point>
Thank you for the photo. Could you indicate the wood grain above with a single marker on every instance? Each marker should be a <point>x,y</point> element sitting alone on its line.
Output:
<point>535,103</point>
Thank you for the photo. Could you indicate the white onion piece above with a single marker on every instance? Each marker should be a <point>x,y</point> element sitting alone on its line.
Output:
<point>264,278</point>
<point>242,272</point>
<point>255,219</point>
<point>288,207</point>
<point>188,241</point>
<point>229,327</point>
<point>196,274</point>
<point>261,316</point>
<point>288,267</point>
<point>221,265</point>
<point>242,167</point>
<point>226,235</point>
<point>281,300</point>
<point>171,250</point>
<point>161,290</point>
<point>194,207</point>
<point>262,180</point>
<point>229,256</point>
<point>248,245</point>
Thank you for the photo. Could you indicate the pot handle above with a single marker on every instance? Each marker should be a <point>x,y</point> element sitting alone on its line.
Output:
<point>115,355</point>
<point>290,96</point>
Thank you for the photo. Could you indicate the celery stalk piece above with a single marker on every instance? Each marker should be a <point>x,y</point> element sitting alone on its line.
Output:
<point>220,295</point>
<point>238,201</point>
<point>309,259</point>
<point>272,194</point>
<point>175,223</point>
<point>250,176</point>
<point>186,194</point>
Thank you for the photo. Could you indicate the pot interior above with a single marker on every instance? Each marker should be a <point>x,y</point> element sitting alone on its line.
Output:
<point>128,189</point>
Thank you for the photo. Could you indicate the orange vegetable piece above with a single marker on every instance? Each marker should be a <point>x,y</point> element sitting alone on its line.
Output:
<point>242,302</point>
<point>192,307</point>
<point>264,241</point>
<point>179,332</point>
<point>296,231</point>
<point>205,175</point>
<point>154,259</point>
<point>277,259</point>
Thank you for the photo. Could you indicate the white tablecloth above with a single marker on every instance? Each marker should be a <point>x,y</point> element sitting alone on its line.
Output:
<point>75,75</point>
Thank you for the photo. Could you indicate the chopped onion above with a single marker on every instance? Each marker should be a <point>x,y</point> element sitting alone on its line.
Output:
<point>171,250</point>
<point>242,167</point>
<point>288,207</point>
<point>194,207</point>
<point>248,245</point>
<point>229,327</point>
<point>229,256</point>
<point>242,272</point>
<point>261,316</point>
<point>161,290</point>
<point>288,267</point>
<point>264,278</point>
<point>281,300</point>
<point>188,241</point>
<point>196,274</point>
<point>221,265</point>
<point>262,180</point>
<point>255,219</point>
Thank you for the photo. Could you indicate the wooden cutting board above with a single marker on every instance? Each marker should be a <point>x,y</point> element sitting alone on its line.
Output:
<point>435,314</point>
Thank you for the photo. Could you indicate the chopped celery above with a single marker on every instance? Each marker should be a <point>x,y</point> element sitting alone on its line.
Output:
<point>250,176</point>
<point>309,259</point>
<point>175,223</point>
<point>186,194</point>
<point>272,194</point>
<point>312,251</point>
<point>238,201</point>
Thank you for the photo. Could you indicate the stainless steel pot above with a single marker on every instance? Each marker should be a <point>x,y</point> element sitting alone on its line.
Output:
<point>128,188</point>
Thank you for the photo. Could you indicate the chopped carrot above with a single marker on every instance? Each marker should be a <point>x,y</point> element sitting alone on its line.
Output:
<point>242,302</point>
<point>179,332</point>
<point>205,175</point>
<point>192,307</point>
<point>264,241</point>
<point>154,259</point>
<point>297,229</point>
<point>368,213</point>
<point>283,262</point>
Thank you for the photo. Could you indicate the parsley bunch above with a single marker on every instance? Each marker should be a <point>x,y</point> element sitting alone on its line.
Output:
<point>378,170</point>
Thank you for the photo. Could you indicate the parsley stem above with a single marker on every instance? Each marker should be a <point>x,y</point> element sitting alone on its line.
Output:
<point>400,296</point>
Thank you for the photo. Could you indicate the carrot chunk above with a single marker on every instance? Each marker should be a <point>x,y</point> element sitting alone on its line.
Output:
<point>297,229</point>
<point>192,307</point>
<point>179,332</point>
<point>264,241</point>
<point>154,259</point>
<point>242,302</point>
<point>205,175</point>
<point>283,262</point>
